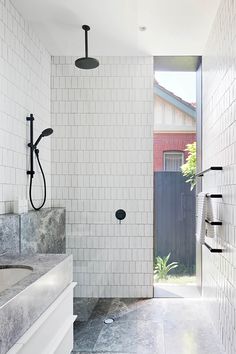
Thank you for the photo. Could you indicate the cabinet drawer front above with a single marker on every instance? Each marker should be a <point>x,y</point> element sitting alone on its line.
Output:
<point>47,333</point>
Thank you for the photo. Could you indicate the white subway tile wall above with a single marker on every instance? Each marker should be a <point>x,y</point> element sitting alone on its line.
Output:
<point>102,152</point>
<point>24,89</point>
<point>219,148</point>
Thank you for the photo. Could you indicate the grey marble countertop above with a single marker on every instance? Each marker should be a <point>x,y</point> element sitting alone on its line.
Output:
<point>24,302</point>
<point>41,264</point>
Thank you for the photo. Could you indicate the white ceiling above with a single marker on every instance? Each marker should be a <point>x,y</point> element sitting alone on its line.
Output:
<point>174,27</point>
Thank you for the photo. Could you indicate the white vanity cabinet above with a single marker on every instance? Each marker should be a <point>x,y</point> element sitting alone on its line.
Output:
<point>52,333</point>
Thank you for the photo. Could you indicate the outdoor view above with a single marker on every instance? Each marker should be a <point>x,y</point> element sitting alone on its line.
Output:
<point>174,177</point>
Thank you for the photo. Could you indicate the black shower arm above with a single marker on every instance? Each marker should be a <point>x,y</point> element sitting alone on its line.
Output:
<point>86,28</point>
<point>86,43</point>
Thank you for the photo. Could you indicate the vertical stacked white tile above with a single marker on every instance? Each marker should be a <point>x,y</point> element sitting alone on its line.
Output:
<point>102,161</point>
<point>24,89</point>
<point>219,148</point>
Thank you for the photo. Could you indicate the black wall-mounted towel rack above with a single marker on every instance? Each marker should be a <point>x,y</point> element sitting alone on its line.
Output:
<point>213,250</point>
<point>212,168</point>
<point>211,195</point>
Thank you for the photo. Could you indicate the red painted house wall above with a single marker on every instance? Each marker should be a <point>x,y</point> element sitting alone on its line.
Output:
<point>169,142</point>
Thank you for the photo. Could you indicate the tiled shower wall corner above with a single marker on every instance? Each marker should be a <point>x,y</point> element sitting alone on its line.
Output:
<point>219,148</point>
<point>24,89</point>
<point>102,161</point>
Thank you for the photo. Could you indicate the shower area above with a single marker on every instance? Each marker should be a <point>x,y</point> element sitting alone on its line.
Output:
<point>102,162</point>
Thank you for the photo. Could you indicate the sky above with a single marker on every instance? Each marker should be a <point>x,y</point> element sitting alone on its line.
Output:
<point>182,84</point>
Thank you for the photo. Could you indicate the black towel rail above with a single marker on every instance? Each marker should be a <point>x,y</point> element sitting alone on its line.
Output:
<point>213,250</point>
<point>214,223</point>
<point>212,168</point>
<point>209,195</point>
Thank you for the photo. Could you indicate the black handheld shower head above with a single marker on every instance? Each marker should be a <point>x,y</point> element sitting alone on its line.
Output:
<point>45,132</point>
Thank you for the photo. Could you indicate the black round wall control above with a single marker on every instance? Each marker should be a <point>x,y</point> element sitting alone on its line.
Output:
<point>120,214</point>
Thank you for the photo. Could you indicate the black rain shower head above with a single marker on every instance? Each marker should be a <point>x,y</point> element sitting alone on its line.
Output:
<point>86,62</point>
<point>45,132</point>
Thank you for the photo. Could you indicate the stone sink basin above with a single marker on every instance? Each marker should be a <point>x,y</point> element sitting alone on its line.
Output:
<point>12,274</point>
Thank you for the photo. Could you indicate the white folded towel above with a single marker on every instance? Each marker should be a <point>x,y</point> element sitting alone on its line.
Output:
<point>201,214</point>
<point>204,211</point>
<point>210,229</point>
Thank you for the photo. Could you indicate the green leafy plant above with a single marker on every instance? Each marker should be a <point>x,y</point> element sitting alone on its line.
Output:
<point>162,268</point>
<point>189,168</point>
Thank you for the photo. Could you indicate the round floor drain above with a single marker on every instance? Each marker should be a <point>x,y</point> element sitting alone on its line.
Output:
<point>108,320</point>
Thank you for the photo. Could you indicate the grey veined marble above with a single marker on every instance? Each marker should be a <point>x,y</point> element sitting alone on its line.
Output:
<point>83,307</point>
<point>147,326</point>
<point>23,303</point>
<point>9,233</point>
<point>43,231</point>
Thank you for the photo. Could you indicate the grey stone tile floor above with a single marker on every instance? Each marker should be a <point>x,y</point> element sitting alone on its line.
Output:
<point>146,326</point>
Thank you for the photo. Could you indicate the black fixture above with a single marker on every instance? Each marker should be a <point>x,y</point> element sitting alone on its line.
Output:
<point>213,250</point>
<point>45,132</point>
<point>120,214</point>
<point>209,195</point>
<point>213,223</point>
<point>34,149</point>
<point>212,168</point>
<point>86,62</point>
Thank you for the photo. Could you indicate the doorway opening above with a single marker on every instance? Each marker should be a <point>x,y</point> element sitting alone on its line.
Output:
<point>175,139</point>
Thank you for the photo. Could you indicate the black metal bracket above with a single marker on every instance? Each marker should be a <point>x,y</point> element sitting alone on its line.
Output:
<point>30,118</point>
<point>209,195</point>
<point>213,250</point>
<point>214,223</point>
<point>31,145</point>
<point>212,168</point>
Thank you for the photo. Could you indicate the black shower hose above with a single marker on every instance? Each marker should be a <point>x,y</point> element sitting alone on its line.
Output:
<point>44,183</point>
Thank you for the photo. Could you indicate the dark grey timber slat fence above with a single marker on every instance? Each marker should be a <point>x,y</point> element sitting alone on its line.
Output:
<point>174,219</point>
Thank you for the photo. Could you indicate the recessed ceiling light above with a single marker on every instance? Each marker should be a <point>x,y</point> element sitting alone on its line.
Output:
<point>142,28</point>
